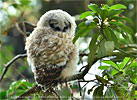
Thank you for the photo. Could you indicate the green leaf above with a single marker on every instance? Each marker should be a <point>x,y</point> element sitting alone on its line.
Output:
<point>115,23</point>
<point>118,6</point>
<point>114,94</point>
<point>103,67</point>
<point>84,30</point>
<point>15,5</point>
<point>108,94</point>
<point>65,92</point>
<point>98,93</point>
<point>127,20</point>
<point>95,93</point>
<point>101,79</point>
<point>125,61</point>
<point>105,6</point>
<point>134,79</point>
<point>25,2</point>
<point>122,19</point>
<point>109,47</point>
<point>3,95</point>
<point>101,51</point>
<point>118,94</point>
<point>19,92</point>
<point>105,48</point>
<point>82,25</point>
<point>112,13</point>
<point>133,65</point>
<point>93,41</point>
<point>92,50</point>
<point>94,8</point>
<point>81,33</point>
<point>135,96</point>
<point>0,43</point>
<point>91,55</point>
<point>117,74</point>
<point>6,32</point>
<point>114,71</point>
<point>85,14</point>
<point>18,87</point>
<point>90,90</point>
<point>111,36</point>
<point>90,23</point>
<point>126,29</point>
<point>111,63</point>
<point>103,14</point>
<point>125,36</point>
<point>28,84</point>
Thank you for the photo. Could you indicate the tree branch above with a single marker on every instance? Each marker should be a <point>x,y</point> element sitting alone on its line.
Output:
<point>37,88</point>
<point>72,78</point>
<point>11,62</point>
<point>16,70</point>
<point>19,29</point>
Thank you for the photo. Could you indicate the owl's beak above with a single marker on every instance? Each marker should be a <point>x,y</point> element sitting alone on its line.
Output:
<point>61,24</point>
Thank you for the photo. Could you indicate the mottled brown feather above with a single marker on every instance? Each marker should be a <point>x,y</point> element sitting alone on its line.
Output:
<point>51,54</point>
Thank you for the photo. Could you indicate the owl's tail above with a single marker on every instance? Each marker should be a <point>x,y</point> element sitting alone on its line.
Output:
<point>33,90</point>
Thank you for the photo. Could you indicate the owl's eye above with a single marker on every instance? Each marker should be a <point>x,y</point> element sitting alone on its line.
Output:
<point>53,24</point>
<point>57,28</point>
<point>65,28</point>
<point>68,25</point>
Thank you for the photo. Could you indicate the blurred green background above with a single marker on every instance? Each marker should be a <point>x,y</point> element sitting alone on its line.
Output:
<point>12,42</point>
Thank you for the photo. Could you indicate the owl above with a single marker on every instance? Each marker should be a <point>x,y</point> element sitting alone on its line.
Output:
<point>50,50</point>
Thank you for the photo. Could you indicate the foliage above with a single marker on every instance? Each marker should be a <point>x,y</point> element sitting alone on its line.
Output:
<point>13,10</point>
<point>15,89</point>
<point>112,33</point>
<point>112,39</point>
<point>18,87</point>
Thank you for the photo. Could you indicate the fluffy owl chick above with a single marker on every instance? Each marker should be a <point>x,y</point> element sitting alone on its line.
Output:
<point>51,53</point>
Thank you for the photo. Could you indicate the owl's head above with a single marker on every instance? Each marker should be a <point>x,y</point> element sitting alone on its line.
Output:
<point>58,20</point>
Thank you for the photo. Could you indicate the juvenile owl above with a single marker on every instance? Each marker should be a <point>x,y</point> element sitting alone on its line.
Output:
<point>51,53</point>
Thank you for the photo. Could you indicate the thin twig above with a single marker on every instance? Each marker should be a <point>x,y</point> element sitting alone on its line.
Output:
<point>82,68</point>
<point>84,91</point>
<point>84,85</point>
<point>20,74</point>
<point>19,29</point>
<point>131,61</point>
<point>10,62</point>
<point>23,24</point>
<point>101,30</point>
<point>56,94</point>
<point>83,54</point>
<point>124,52</point>
<point>131,46</point>
<point>71,93</point>
<point>79,88</point>
<point>88,80</point>
<point>34,89</point>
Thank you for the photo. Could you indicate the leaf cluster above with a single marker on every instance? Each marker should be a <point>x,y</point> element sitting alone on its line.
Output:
<point>112,33</point>
<point>111,29</point>
<point>16,88</point>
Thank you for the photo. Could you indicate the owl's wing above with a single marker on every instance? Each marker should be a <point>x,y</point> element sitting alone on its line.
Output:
<point>50,55</point>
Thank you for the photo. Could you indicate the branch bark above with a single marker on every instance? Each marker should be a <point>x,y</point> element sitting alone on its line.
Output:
<point>36,88</point>
<point>11,62</point>
<point>72,78</point>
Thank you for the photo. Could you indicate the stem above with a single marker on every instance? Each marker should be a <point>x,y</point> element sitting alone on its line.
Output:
<point>10,62</point>
<point>101,30</point>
